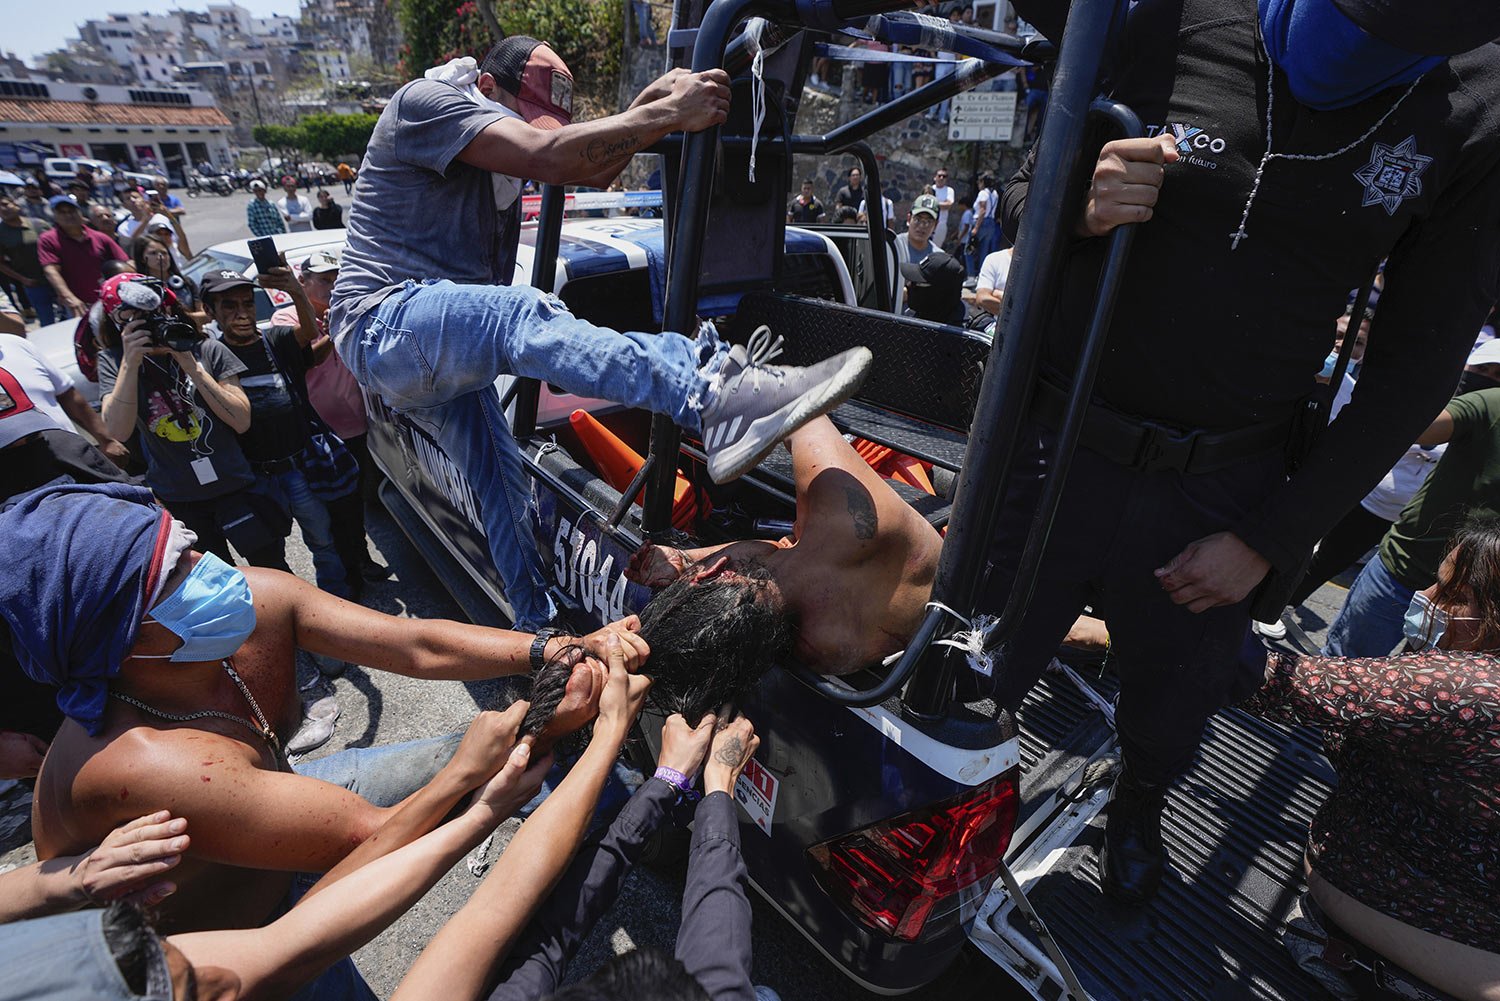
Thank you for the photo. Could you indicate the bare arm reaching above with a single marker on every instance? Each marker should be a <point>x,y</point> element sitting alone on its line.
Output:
<point>418,648</point>
<point>275,961</point>
<point>577,153</point>
<point>461,962</point>
<point>130,864</point>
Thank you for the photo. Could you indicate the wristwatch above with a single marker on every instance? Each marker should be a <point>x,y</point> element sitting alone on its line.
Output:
<point>539,646</point>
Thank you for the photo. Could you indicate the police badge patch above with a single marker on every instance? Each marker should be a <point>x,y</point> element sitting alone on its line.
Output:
<point>1393,174</point>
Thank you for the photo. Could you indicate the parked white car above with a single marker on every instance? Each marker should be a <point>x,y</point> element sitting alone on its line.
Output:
<point>60,169</point>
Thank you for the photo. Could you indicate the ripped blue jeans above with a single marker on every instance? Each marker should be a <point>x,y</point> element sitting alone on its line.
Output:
<point>433,351</point>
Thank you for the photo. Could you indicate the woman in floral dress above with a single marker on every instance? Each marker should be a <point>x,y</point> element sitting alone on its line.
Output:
<point>1404,857</point>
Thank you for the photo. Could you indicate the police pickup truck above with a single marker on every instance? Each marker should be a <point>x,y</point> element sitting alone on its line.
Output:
<point>876,835</point>
<point>891,823</point>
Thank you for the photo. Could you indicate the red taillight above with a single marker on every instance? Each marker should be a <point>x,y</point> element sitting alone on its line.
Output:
<point>896,873</point>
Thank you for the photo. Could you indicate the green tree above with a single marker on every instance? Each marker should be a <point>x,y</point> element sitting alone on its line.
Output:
<point>329,136</point>
<point>586,33</point>
<point>279,137</point>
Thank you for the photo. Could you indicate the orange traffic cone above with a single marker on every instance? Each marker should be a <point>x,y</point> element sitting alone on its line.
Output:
<point>618,463</point>
<point>895,465</point>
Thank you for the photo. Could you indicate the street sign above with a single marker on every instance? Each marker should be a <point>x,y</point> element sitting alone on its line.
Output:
<point>982,116</point>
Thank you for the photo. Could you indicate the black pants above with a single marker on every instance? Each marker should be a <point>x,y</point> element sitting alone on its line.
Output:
<point>1345,542</point>
<point>1114,527</point>
<point>369,476</point>
<point>203,518</point>
<point>347,515</point>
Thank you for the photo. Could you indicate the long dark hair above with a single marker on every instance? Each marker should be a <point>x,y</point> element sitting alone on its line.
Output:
<point>639,973</point>
<point>712,640</point>
<point>138,250</point>
<point>1475,580</point>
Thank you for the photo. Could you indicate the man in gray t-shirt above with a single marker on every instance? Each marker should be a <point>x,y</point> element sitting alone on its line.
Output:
<point>423,315</point>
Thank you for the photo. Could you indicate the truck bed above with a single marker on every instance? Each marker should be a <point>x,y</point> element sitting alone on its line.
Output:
<point>1235,827</point>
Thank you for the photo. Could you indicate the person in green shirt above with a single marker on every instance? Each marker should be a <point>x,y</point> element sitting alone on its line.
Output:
<point>1466,479</point>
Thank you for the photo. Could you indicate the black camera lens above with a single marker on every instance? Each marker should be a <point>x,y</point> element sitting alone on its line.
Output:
<point>179,336</point>
<point>167,331</point>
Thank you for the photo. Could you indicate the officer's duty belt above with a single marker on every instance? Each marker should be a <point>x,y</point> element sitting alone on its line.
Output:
<point>1142,444</point>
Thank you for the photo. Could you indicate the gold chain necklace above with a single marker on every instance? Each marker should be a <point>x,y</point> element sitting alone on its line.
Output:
<point>260,725</point>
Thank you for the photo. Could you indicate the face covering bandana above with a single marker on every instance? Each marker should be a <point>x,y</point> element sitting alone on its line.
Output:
<point>1471,382</point>
<point>1426,624</point>
<point>463,73</point>
<point>212,611</point>
<point>1329,61</point>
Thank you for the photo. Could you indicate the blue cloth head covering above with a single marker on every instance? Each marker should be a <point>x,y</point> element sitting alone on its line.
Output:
<point>81,563</point>
<point>1329,61</point>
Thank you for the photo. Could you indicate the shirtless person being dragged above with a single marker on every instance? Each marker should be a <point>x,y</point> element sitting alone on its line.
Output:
<point>845,590</point>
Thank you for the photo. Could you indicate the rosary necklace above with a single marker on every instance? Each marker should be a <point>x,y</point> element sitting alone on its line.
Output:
<point>1240,233</point>
<point>260,725</point>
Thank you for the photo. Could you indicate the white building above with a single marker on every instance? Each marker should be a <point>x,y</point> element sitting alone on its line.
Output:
<point>333,65</point>
<point>165,126</point>
<point>278,27</point>
<point>230,18</point>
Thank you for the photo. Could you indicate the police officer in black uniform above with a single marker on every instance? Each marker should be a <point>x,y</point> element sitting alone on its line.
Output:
<point>1295,145</point>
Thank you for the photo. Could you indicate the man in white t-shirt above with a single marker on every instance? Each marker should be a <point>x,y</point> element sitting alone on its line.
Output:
<point>943,192</point>
<point>990,290</point>
<point>35,396</point>
<point>913,246</point>
<point>890,212</point>
<point>295,210</point>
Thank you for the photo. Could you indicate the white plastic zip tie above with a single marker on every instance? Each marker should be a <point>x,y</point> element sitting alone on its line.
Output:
<point>971,640</point>
<point>478,861</point>
<point>753,31</point>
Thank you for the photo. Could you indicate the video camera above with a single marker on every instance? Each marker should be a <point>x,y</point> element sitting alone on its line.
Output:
<point>168,331</point>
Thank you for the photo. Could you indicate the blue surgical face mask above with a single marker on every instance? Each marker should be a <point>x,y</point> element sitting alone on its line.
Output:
<point>1426,624</point>
<point>1329,61</point>
<point>212,611</point>
<point>1328,365</point>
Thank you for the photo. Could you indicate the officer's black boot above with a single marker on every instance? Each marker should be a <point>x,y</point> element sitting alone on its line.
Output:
<point>1132,858</point>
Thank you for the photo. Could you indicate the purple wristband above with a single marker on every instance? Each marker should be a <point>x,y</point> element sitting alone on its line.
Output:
<point>674,778</point>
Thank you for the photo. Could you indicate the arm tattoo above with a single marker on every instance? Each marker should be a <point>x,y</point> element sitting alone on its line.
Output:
<point>600,152</point>
<point>862,510</point>
<point>732,754</point>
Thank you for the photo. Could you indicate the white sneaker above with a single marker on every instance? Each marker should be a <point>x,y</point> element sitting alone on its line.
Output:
<point>752,405</point>
<point>318,719</point>
<point>1270,630</point>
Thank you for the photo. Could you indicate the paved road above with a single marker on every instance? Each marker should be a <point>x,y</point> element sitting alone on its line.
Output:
<point>213,219</point>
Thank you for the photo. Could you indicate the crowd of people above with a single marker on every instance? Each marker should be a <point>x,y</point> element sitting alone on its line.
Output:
<point>180,843</point>
<point>293,212</point>
<point>56,248</point>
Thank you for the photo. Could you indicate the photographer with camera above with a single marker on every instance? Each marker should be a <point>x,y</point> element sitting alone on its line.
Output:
<point>289,447</point>
<point>158,373</point>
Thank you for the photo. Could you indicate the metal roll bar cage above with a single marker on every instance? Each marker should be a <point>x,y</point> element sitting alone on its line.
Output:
<point>1011,370</point>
